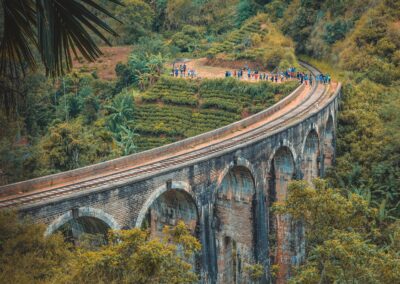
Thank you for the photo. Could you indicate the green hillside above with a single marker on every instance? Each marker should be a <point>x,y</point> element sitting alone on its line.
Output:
<point>174,109</point>
<point>257,41</point>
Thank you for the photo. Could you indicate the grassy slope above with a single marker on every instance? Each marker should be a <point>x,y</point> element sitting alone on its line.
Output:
<point>257,41</point>
<point>105,65</point>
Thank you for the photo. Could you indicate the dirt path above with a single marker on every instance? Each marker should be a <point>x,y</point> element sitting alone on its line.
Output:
<point>212,72</point>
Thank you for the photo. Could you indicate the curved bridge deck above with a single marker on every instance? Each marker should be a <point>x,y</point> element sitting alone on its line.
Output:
<point>302,103</point>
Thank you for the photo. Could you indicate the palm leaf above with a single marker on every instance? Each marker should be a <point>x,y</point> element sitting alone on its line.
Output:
<point>18,36</point>
<point>64,27</point>
<point>56,28</point>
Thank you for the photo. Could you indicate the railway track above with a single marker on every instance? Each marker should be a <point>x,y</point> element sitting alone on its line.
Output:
<point>316,97</point>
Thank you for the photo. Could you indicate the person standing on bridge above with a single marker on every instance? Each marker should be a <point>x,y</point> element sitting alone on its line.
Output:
<point>310,79</point>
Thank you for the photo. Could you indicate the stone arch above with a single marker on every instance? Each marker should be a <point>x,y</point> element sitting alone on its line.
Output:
<point>282,169</point>
<point>310,164</point>
<point>283,144</point>
<point>329,143</point>
<point>83,220</point>
<point>239,161</point>
<point>234,223</point>
<point>281,172</point>
<point>167,205</point>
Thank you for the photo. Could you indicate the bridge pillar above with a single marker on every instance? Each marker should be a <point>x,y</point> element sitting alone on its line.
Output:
<point>261,236</point>
<point>310,165</point>
<point>328,145</point>
<point>280,230</point>
<point>234,229</point>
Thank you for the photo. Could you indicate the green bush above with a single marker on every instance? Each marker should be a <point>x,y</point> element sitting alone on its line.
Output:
<point>188,39</point>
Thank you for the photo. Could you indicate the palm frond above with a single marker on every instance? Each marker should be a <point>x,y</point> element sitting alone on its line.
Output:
<point>18,36</point>
<point>64,27</point>
<point>56,27</point>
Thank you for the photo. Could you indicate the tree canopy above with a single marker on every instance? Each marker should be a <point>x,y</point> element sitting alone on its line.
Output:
<point>129,256</point>
<point>343,240</point>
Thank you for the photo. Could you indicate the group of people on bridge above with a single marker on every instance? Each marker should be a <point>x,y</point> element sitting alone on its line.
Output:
<point>246,73</point>
<point>256,75</point>
<point>278,76</point>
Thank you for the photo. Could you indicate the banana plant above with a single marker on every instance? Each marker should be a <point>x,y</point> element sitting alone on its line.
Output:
<point>127,140</point>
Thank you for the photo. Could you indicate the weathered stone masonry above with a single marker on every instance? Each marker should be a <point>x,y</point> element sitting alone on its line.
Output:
<point>224,199</point>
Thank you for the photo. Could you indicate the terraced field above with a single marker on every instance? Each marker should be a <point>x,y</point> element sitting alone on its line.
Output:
<point>240,37</point>
<point>258,43</point>
<point>174,109</point>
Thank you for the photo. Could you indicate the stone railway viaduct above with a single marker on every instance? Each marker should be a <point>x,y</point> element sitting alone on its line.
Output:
<point>221,183</point>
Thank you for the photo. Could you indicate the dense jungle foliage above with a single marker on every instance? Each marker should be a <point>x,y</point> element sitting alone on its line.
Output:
<point>346,239</point>
<point>352,224</point>
<point>130,256</point>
